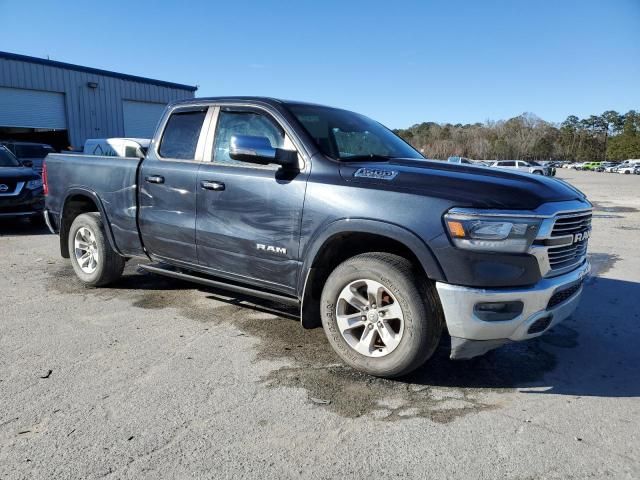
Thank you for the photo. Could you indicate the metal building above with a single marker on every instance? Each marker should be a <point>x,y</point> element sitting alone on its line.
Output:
<point>64,104</point>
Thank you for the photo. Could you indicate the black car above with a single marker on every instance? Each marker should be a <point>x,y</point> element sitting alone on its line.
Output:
<point>30,154</point>
<point>21,192</point>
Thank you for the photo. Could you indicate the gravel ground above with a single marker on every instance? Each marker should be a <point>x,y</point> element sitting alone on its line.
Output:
<point>157,378</point>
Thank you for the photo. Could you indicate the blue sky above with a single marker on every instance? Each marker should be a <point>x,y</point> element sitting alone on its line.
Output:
<point>400,62</point>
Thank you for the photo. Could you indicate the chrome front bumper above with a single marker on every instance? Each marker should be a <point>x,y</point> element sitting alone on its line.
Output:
<point>473,336</point>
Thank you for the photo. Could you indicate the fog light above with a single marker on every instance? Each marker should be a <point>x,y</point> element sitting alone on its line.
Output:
<point>498,311</point>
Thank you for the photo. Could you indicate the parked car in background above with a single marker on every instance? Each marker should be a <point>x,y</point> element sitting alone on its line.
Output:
<point>460,160</point>
<point>21,193</point>
<point>603,166</point>
<point>612,168</point>
<point>522,166</point>
<point>591,166</point>
<point>242,194</point>
<point>117,147</point>
<point>549,170</point>
<point>30,154</point>
<point>630,162</point>
<point>628,169</point>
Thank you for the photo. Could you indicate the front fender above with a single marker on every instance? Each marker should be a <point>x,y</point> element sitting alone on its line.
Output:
<point>376,227</point>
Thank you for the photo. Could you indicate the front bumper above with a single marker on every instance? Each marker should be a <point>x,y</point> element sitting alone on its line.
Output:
<point>472,336</point>
<point>23,204</point>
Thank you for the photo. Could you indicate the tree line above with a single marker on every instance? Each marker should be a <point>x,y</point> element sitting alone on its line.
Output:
<point>610,136</point>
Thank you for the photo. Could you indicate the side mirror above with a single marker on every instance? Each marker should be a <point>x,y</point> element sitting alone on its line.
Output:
<point>27,163</point>
<point>247,148</point>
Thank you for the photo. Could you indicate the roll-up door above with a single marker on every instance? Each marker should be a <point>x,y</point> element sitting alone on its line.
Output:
<point>32,109</point>
<point>141,118</point>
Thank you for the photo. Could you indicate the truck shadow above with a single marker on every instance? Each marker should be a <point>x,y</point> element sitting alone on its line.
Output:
<point>593,353</point>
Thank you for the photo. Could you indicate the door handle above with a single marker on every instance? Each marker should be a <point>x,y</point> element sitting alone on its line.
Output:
<point>154,179</point>
<point>212,185</point>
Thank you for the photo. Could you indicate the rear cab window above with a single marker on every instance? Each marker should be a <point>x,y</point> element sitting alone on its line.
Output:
<point>181,133</point>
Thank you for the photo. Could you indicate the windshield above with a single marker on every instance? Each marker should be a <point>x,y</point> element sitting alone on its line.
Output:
<point>7,159</point>
<point>348,136</point>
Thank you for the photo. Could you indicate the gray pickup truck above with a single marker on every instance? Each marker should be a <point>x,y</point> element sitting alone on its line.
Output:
<point>328,210</point>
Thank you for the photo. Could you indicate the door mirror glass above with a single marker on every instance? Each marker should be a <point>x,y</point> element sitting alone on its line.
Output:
<point>247,148</point>
<point>253,149</point>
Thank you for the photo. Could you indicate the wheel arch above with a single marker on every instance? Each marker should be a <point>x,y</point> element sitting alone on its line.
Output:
<point>345,238</point>
<point>76,202</point>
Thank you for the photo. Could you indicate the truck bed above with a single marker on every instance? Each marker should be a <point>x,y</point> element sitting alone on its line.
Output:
<point>110,181</point>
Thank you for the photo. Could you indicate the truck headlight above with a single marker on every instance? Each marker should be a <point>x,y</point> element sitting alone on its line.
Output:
<point>33,184</point>
<point>472,231</point>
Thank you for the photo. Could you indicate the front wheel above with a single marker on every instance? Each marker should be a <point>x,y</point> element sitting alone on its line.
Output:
<point>380,315</point>
<point>94,260</point>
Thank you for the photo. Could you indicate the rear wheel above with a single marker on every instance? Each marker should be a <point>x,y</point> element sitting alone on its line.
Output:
<point>381,316</point>
<point>95,262</point>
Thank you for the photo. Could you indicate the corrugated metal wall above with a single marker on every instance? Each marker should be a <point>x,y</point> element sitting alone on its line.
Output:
<point>91,112</point>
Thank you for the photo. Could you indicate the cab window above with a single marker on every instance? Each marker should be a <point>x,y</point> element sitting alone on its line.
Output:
<point>254,124</point>
<point>180,137</point>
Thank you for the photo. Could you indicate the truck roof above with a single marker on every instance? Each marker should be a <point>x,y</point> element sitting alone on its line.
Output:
<point>266,100</point>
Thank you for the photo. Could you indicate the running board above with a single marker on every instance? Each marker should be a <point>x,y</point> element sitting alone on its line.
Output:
<point>248,291</point>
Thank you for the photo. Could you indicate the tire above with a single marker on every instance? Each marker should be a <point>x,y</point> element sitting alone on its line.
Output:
<point>106,265</point>
<point>405,291</point>
<point>537,172</point>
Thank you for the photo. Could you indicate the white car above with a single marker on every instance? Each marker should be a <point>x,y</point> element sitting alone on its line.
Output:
<point>520,165</point>
<point>628,169</point>
<point>117,147</point>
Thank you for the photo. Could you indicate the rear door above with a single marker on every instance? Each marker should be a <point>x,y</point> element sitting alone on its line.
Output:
<point>168,187</point>
<point>248,220</point>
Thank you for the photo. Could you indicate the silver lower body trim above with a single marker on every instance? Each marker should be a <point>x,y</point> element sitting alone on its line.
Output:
<point>47,220</point>
<point>458,304</point>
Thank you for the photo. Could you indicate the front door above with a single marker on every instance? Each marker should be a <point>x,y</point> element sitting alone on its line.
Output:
<point>168,188</point>
<point>248,221</point>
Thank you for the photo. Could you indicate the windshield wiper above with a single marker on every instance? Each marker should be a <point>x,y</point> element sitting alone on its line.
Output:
<point>372,157</point>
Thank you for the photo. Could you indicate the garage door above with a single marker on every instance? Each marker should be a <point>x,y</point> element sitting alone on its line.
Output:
<point>32,109</point>
<point>141,118</point>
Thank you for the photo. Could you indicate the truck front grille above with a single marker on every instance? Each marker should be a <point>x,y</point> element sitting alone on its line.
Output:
<point>566,256</point>
<point>571,223</point>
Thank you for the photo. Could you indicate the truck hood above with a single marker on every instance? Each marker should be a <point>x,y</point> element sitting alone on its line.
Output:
<point>18,173</point>
<point>466,185</point>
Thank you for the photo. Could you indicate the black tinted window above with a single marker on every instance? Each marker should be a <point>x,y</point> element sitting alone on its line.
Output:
<point>181,135</point>
<point>33,151</point>
<point>7,159</point>
<point>130,152</point>
<point>507,164</point>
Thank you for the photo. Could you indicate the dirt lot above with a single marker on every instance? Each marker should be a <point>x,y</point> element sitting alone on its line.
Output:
<point>160,378</point>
